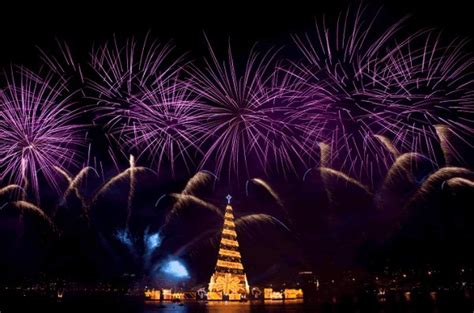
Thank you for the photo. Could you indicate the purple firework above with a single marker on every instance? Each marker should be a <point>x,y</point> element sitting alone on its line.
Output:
<point>429,88</point>
<point>38,129</point>
<point>245,115</point>
<point>342,76</point>
<point>144,104</point>
<point>123,70</point>
<point>162,124</point>
<point>63,64</point>
<point>147,107</point>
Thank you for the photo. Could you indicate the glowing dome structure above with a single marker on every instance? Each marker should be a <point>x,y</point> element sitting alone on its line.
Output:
<point>229,281</point>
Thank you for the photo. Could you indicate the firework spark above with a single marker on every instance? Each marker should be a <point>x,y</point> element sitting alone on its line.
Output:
<point>39,132</point>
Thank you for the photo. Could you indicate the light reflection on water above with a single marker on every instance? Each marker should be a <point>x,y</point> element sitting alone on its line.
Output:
<point>229,307</point>
<point>432,302</point>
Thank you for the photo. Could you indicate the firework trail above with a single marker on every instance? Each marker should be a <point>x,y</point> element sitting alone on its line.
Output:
<point>458,182</point>
<point>399,181</point>
<point>157,202</point>
<point>184,200</point>
<point>9,188</point>
<point>403,166</point>
<point>24,205</point>
<point>328,173</point>
<point>69,180</point>
<point>434,182</point>
<point>214,234</point>
<point>38,130</point>
<point>124,175</point>
<point>443,134</point>
<point>268,188</point>
<point>244,115</point>
<point>201,178</point>
<point>248,220</point>
<point>73,186</point>
<point>388,145</point>
<point>76,181</point>
<point>24,177</point>
<point>131,189</point>
<point>64,173</point>
<point>324,162</point>
<point>129,174</point>
<point>325,154</point>
<point>244,223</point>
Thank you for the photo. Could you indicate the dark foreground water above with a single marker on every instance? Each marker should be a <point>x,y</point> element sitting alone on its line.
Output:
<point>447,303</point>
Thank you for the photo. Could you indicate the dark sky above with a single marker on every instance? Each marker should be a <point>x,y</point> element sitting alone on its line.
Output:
<point>24,26</point>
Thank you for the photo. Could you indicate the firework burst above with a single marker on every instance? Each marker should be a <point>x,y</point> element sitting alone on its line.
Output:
<point>62,63</point>
<point>147,107</point>
<point>39,130</point>
<point>162,124</point>
<point>122,69</point>
<point>341,73</point>
<point>245,115</point>
<point>428,96</point>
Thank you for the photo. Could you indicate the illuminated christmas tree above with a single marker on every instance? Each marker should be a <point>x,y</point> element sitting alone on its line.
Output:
<point>229,280</point>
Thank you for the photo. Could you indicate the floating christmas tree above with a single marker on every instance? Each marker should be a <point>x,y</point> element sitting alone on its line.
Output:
<point>229,281</point>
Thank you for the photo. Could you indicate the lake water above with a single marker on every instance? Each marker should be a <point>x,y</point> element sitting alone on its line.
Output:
<point>445,304</point>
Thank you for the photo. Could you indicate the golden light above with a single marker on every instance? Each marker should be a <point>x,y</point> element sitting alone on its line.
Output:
<point>229,279</point>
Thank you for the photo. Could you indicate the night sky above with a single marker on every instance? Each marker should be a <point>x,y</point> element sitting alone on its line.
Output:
<point>353,233</point>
